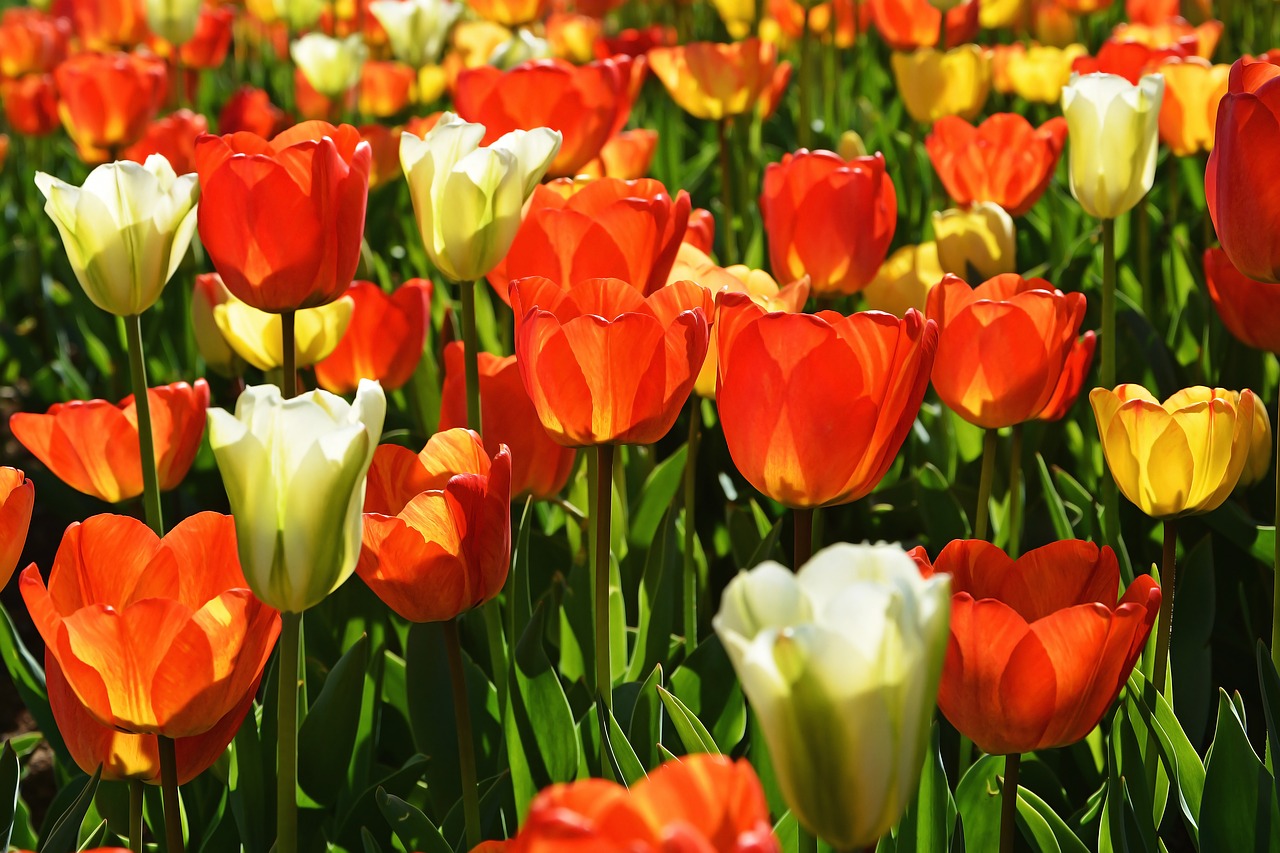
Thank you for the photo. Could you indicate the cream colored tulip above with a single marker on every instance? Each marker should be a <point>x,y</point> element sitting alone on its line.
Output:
<point>981,237</point>
<point>125,230</point>
<point>255,335</point>
<point>1112,140</point>
<point>905,279</point>
<point>332,66</point>
<point>299,15</point>
<point>841,663</point>
<point>173,20</point>
<point>295,472</point>
<point>934,84</point>
<point>1039,72</point>
<point>417,29</point>
<point>468,200</point>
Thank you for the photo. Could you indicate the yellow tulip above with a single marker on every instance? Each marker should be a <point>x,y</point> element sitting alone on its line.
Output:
<point>1182,457</point>
<point>981,237</point>
<point>1259,461</point>
<point>1039,72</point>
<point>999,14</point>
<point>1112,127</point>
<point>1192,91</point>
<point>255,335</point>
<point>851,145</point>
<point>738,16</point>
<point>905,279</point>
<point>936,84</point>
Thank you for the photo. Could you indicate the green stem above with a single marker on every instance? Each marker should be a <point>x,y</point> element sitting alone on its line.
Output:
<point>983,511</point>
<point>287,734</point>
<point>600,511</point>
<point>471,342</point>
<point>462,720</point>
<point>1015,493</point>
<point>288,356</point>
<point>1110,496</point>
<point>803,537</point>
<point>135,815</point>
<point>726,196</point>
<point>690,531</point>
<point>1168,577</point>
<point>169,790</point>
<point>806,84</point>
<point>146,441</point>
<point>1275,596</point>
<point>1009,802</point>
<point>492,613</point>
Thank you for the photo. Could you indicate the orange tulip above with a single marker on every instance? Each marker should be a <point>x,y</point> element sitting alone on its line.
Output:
<point>701,230</point>
<point>1248,308</point>
<point>714,81</point>
<point>604,364</point>
<point>250,110</point>
<point>1039,647</point>
<point>910,24</point>
<point>704,803</point>
<point>437,526</point>
<point>109,24</point>
<point>17,497</point>
<point>1192,91</point>
<point>628,155</point>
<point>572,37</point>
<point>283,220</point>
<point>608,229</point>
<point>384,339</point>
<point>173,136</point>
<point>384,147</point>
<point>1071,380</point>
<point>107,100</point>
<point>158,636</point>
<point>207,49</point>
<point>31,104</point>
<point>511,13</point>
<point>1033,324</point>
<point>1004,160</point>
<point>1152,12</point>
<point>1129,59</point>
<point>851,18</point>
<point>815,406</point>
<point>386,88</point>
<point>586,103</point>
<point>539,466</point>
<point>828,218</point>
<point>31,42</point>
<point>1083,7</point>
<point>1201,41</point>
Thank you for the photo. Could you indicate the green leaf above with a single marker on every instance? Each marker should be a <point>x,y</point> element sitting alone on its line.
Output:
<point>1270,683</point>
<point>657,497</point>
<point>1065,840</point>
<point>1238,812</point>
<point>626,764</point>
<point>644,730</point>
<point>326,738</point>
<point>414,829</point>
<point>64,837</point>
<point>709,688</point>
<point>250,788</point>
<point>978,801</point>
<point>28,677</point>
<point>693,734</point>
<point>658,602</point>
<point>1057,509</point>
<point>10,776</point>
<point>1179,757</point>
<point>930,820</point>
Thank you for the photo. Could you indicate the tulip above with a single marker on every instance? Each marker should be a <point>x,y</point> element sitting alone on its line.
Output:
<point>207,49</point>
<point>1052,24</point>
<point>1004,160</point>
<point>384,339</point>
<point>1259,461</point>
<point>840,662</point>
<point>701,230</point>
<point>432,84</point>
<point>437,526</point>
<point>250,110</point>
<point>1181,457</point>
<point>92,445</point>
<point>295,475</point>
<point>386,88</point>
<point>17,497</point>
<point>636,42</point>
<point>828,218</point>
<point>714,81</point>
<point>572,37</point>
<point>510,13</point>
<point>257,336</point>
<point>934,84</point>
<point>173,20</point>
<point>1112,124</point>
<point>31,42</point>
<point>1039,72</point>
<point>520,47</point>
<point>539,466</point>
<point>737,15</point>
<point>841,20</point>
<point>1193,90</point>
<point>1030,321</point>
<point>299,15</point>
<point>905,279</point>
<point>283,220</point>
<point>628,155</point>
<point>1039,647</point>
<point>1071,380</point>
<point>418,29</point>
<point>125,231</point>
<point>981,238</point>
<point>31,104</point>
<point>1248,308</point>
<point>156,636</point>
<point>1176,33</point>
<point>384,144</point>
<point>1001,14</point>
<point>700,802</point>
<point>814,407</point>
<point>604,364</point>
<point>172,137</point>
<point>1128,59</point>
<point>107,100</point>
<point>102,25</point>
<point>332,66</point>
<point>911,24</point>
<point>629,230</point>
<point>586,104</point>
<point>1240,179</point>
<point>218,355</point>
<point>468,199</point>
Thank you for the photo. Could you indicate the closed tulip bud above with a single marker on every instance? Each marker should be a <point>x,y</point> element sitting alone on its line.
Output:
<point>17,497</point>
<point>31,42</point>
<point>332,66</point>
<point>125,230</point>
<point>1259,461</point>
<point>1192,92</point>
<point>417,29</point>
<point>432,83</point>
<point>851,145</point>
<point>1180,457</point>
<point>468,200</point>
<point>981,238</point>
<point>905,279</point>
<point>841,663</point>
<point>1039,72</point>
<point>1051,24</point>
<point>173,20</point>
<point>1112,125</point>
<point>255,336</point>
<point>295,471</point>
<point>934,84</point>
<point>218,355</point>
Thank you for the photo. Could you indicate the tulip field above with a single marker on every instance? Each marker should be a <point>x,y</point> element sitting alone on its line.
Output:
<point>622,426</point>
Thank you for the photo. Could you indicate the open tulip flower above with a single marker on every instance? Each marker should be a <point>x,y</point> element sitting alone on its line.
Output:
<point>107,100</point>
<point>158,636</point>
<point>815,406</point>
<point>17,496</point>
<point>604,364</point>
<point>384,339</point>
<point>630,230</point>
<point>92,445</point>
<point>1040,647</point>
<point>282,220</point>
<point>1192,91</point>
<point>713,81</point>
<point>1249,309</point>
<point>1004,160</point>
<point>1180,457</point>
<point>1033,323</point>
<point>437,526</point>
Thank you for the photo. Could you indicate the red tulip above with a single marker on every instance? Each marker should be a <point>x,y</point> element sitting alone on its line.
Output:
<point>386,88</point>
<point>283,220</point>
<point>207,49</point>
<point>17,497</point>
<point>701,231</point>
<point>1039,646</point>
<point>1240,182</point>
<point>250,110</point>
<point>814,407</point>
<point>633,42</point>
<point>31,42</point>
<point>1071,380</point>
<point>911,24</point>
<point>604,364</point>
<point>629,154</point>
<point>107,100</point>
<point>828,218</point>
<point>31,104</point>
<point>174,136</point>
<point>437,526</point>
<point>608,229</point>
<point>1248,308</point>
<point>1003,160</point>
<point>109,24</point>
<point>158,636</point>
<point>1130,59</point>
<point>384,339</point>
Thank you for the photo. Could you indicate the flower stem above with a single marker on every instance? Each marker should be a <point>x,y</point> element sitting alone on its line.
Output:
<point>726,196</point>
<point>690,533</point>
<point>288,356</point>
<point>1168,577</point>
<point>600,512</point>
<point>806,84</point>
<point>135,815</point>
<point>803,550</point>
<point>470,341</point>
<point>983,510</point>
<point>1015,493</point>
<point>169,789</point>
<point>462,719</point>
<point>1009,801</point>
<point>287,735</point>
<point>1110,496</point>
<point>146,442</point>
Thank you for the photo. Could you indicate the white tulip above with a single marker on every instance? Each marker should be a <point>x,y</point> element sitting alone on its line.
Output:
<point>1112,133</point>
<point>417,29</point>
<point>332,66</point>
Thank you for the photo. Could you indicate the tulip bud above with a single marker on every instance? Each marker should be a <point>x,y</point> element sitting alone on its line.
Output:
<point>256,336</point>
<point>981,237</point>
<point>841,663</point>
<point>417,29</point>
<point>851,145</point>
<point>295,472</point>
<point>125,230</point>
<point>173,20</point>
<point>332,66</point>
<point>935,84</point>
<point>1112,127</point>
<point>904,280</point>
